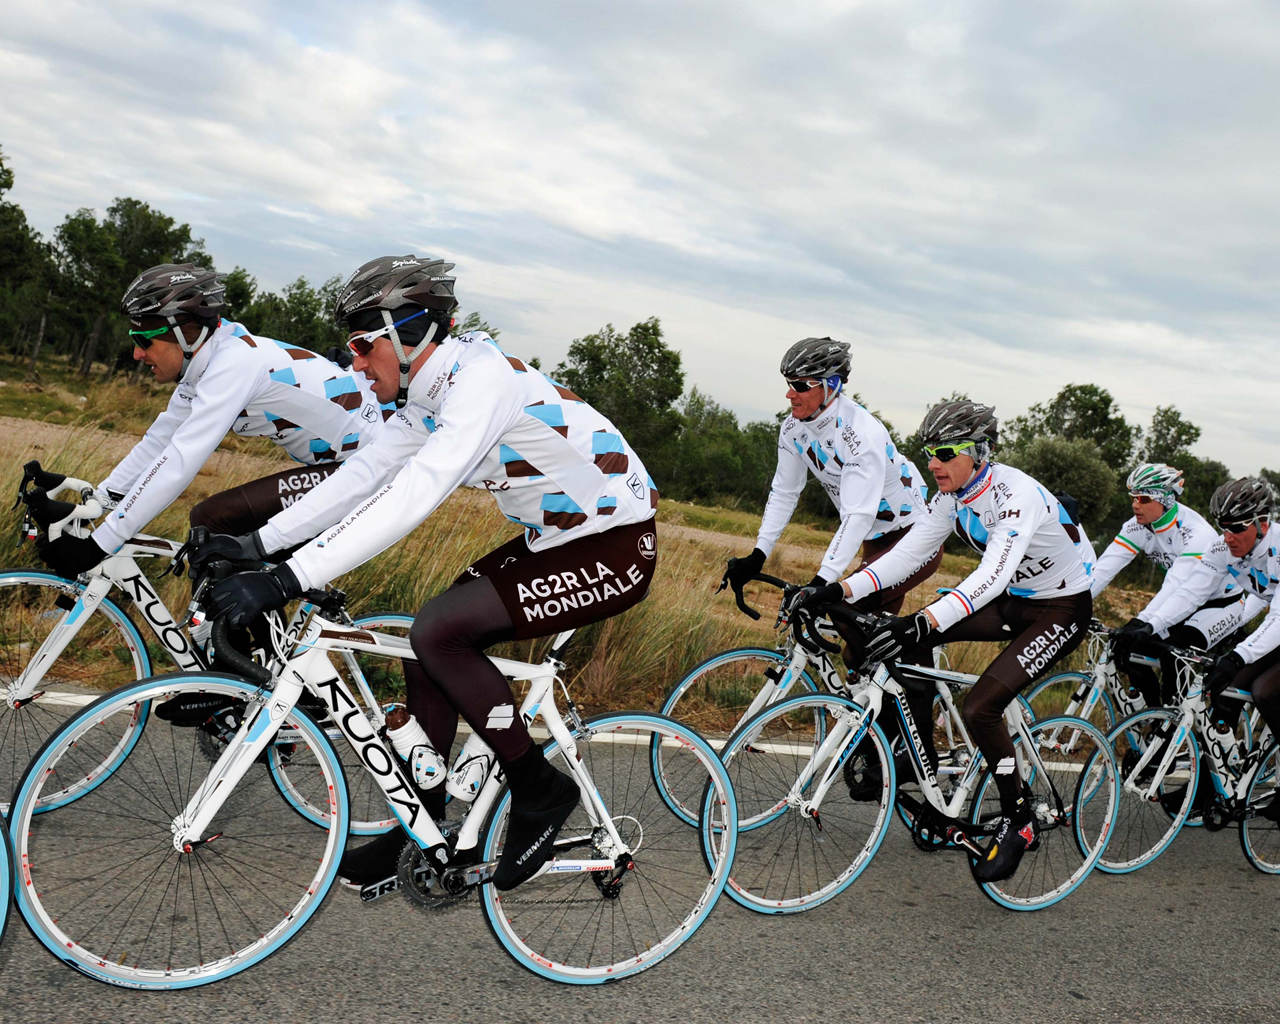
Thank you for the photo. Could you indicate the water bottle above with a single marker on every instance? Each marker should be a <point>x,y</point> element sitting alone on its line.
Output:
<point>475,759</point>
<point>411,743</point>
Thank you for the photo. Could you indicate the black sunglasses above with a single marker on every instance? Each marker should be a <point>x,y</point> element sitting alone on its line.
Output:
<point>1236,527</point>
<point>801,386</point>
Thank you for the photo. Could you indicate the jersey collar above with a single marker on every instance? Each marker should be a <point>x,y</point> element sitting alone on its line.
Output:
<point>976,487</point>
<point>197,363</point>
<point>1166,521</point>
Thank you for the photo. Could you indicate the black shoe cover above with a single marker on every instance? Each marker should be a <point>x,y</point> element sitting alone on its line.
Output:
<point>375,861</point>
<point>1012,840</point>
<point>192,709</point>
<point>539,808</point>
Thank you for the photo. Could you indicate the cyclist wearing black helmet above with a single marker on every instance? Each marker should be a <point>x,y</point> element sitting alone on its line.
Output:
<point>469,415</point>
<point>1244,511</point>
<point>228,380</point>
<point>1030,589</point>
<point>875,488</point>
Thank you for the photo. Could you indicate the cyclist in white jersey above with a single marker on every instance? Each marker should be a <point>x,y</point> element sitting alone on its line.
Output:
<point>468,414</point>
<point>1177,539</point>
<point>1030,589</point>
<point>228,380</point>
<point>1245,511</point>
<point>876,490</point>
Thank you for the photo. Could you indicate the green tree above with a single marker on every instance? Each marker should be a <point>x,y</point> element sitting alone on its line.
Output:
<point>91,270</point>
<point>27,272</point>
<point>635,380</point>
<point>1169,438</point>
<point>474,322</point>
<point>1076,466</point>
<point>1077,411</point>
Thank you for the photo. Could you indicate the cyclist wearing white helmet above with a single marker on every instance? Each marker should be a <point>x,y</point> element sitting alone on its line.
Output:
<point>1195,606</point>
<point>1030,590</point>
<point>875,488</point>
<point>228,380</point>
<point>469,415</point>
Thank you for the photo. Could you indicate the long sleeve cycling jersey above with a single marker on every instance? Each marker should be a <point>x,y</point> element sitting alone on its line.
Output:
<point>474,416</point>
<point>1258,573</point>
<point>873,486</point>
<point>1177,542</point>
<point>1027,541</point>
<point>257,387</point>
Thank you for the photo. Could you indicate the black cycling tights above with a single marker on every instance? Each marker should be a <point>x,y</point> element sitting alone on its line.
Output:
<point>449,637</point>
<point>1040,634</point>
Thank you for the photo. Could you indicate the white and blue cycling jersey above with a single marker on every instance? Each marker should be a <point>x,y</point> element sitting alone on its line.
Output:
<point>873,486</point>
<point>474,417</point>
<point>1258,574</point>
<point>255,387</point>
<point>1029,545</point>
<point>1178,542</point>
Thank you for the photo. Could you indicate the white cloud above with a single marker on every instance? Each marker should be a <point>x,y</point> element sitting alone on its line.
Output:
<point>1001,198</point>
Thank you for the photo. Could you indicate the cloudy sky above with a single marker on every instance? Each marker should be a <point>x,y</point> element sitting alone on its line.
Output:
<point>999,198</point>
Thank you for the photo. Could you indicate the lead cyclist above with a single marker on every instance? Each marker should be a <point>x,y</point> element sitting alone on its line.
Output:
<point>467,414</point>
<point>1030,588</point>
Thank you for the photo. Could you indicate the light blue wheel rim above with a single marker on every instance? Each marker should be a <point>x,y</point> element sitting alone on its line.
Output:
<point>729,836</point>
<point>31,777</point>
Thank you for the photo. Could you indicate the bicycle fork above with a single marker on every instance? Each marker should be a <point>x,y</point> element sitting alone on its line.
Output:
<point>59,637</point>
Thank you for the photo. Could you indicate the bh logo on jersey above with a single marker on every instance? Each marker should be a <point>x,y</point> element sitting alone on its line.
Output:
<point>648,545</point>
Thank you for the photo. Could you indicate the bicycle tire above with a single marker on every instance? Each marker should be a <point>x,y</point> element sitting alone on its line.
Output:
<point>788,861</point>
<point>679,872</point>
<point>1087,783</point>
<point>1045,695</point>
<point>1259,836</point>
<point>1145,830</point>
<point>715,716</point>
<point>70,682</point>
<point>222,919</point>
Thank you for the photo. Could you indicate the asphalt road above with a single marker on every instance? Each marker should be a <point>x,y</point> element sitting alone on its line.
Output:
<point>1195,936</point>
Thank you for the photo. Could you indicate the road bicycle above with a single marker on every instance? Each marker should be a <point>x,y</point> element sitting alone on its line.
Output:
<point>172,873</point>
<point>720,693</point>
<point>1167,754</point>
<point>816,785</point>
<point>62,642</point>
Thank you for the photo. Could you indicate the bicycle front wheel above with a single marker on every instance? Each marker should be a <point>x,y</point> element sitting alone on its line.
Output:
<point>1145,828</point>
<point>107,651</point>
<point>715,696</point>
<point>1075,796</point>
<point>1260,835</point>
<point>7,876</point>
<point>799,844</point>
<point>104,887</point>
<point>576,926</point>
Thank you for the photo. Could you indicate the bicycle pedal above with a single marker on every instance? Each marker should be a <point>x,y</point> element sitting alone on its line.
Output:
<point>376,890</point>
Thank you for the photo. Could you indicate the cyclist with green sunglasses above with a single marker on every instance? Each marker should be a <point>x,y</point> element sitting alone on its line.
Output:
<point>878,493</point>
<point>228,380</point>
<point>1030,589</point>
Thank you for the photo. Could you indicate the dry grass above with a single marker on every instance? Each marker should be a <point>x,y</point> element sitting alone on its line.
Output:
<point>628,661</point>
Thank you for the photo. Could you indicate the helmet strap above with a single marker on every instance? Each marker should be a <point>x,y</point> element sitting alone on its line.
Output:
<point>404,358</point>
<point>188,347</point>
<point>829,394</point>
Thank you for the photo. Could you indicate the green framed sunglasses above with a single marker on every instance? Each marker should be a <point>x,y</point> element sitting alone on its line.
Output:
<point>947,452</point>
<point>143,339</point>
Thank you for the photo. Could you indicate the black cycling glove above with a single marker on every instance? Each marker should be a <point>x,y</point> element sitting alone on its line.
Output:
<point>70,556</point>
<point>896,635</point>
<point>242,598</point>
<point>739,571</point>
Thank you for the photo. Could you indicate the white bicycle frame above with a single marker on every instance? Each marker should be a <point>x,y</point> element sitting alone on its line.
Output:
<point>121,570</point>
<point>307,668</point>
<point>851,726</point>
<point>1193,714</point>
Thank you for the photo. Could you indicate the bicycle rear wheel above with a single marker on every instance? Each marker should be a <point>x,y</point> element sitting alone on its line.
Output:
<point>105,890</point>
<point>790,857</point>
<point>1260,836</point>
<point>1054,696</point>
<point>107,651</point>
<point>571,927</point>
<point>1145,828</point>
<point>1075,796</point>
<point>8,874</point>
